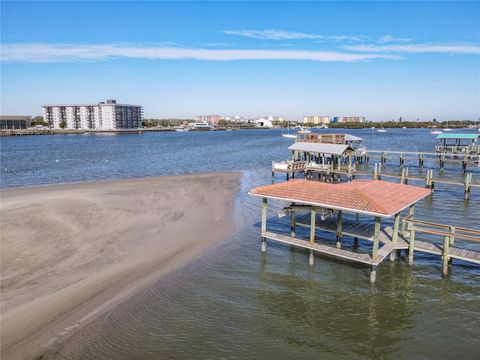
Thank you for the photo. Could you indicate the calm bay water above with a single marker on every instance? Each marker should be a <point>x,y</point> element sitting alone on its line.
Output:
<point>236,303</point>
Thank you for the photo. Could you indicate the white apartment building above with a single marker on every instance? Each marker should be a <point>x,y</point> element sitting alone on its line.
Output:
<point>316,119</point>
<point>349,119</point>
<point>211,119</point>
<point>236,118</point>
<point>106,115</point>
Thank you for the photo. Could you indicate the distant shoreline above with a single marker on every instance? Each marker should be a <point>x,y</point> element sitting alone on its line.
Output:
<point>341,126</point>
<point>71,252</point>
<point>33,132</point>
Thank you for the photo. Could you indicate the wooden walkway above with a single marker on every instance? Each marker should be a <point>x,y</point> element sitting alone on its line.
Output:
<point>363,231</point>
<point>320,248</point>
<point>461,254</point>
<point>442,158</point>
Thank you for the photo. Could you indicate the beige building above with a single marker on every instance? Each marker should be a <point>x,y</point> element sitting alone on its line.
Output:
<point>211,119</point>
<point>316,119</point>
<point>349,119</point>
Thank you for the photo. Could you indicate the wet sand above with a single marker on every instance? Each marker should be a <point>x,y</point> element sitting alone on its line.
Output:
<point>71,252</point>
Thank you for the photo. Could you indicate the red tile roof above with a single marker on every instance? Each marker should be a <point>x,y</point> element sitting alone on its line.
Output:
<point>374,197</point>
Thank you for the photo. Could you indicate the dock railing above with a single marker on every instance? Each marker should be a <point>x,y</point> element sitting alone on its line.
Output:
<point>449,234</point>
<point>471,149</point>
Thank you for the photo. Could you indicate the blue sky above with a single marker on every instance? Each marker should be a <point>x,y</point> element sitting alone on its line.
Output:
<point>382,60</point>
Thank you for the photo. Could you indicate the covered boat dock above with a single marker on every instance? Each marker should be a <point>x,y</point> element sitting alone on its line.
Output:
<point>328,202</point>
<point>314,157</point>
<point>458,143</point>
<point>322,206</point>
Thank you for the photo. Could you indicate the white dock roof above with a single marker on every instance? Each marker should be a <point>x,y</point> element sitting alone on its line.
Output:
<point>320,148</point>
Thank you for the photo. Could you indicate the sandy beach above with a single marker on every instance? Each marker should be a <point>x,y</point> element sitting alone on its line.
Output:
<point>71,252</point>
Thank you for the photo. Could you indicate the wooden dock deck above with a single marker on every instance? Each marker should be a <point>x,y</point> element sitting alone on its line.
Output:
<point>320,248</point>
<point>326,203</point>
<point>456,253</point>
<point>386,239</point>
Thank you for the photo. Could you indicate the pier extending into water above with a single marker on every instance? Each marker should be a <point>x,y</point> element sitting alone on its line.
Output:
<point>327,204</point>
<point>329,158</point>
<point>420,158</point>
<point>330,173</point>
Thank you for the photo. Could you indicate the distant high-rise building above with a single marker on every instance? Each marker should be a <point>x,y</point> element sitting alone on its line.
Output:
<point>349,119</point>
<point>102,116</point>
<point>316,119</point>
<point>211,119</point>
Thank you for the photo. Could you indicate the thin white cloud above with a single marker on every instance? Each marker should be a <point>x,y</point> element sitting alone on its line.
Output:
<point>70,53</point>
<point>416,48</point>
<point>391,39</point>
<point>343,38</point>
<point>272,34</point>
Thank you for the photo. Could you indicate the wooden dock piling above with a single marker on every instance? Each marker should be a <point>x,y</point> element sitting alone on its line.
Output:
<point>411,229</point>
<point>445,257</point>
<point>404,176</point>
<point>376,238</point>
<point>292,223</point>
<point>313,217</point>
<point>373,274</point>
<point>429,183</point>
<point>396,224</point>
<point>377,172</point>
<point>468,185</point>
<point>264,224</point>
<point>339,230</point>
<point>442,161</point>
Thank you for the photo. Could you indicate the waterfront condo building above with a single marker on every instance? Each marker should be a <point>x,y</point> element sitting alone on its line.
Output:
<point>316,119</point>
<point>106,115</point>
<point>211,119</point>
<point>349,119</point>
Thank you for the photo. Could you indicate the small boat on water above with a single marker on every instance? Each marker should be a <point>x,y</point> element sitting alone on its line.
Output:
<point>435,132</point>
<point>404,127</point>
<point>304,131</point>
<point>288,135</point>
<point>382,130</point>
